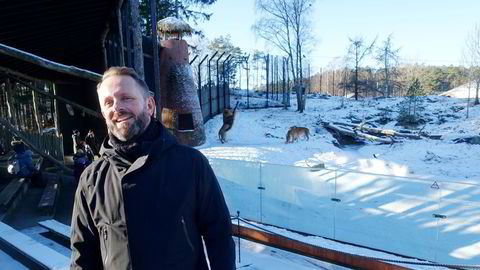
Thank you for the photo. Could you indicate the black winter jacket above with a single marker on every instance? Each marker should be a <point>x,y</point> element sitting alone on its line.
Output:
<point>151,214</point>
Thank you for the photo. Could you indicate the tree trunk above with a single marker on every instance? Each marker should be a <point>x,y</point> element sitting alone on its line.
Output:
<point>137,39</point>
<point>476,95</point>
<point>304,102</point>
<point>356,81</point>
<point>358,134</point>
<point>387,89</point>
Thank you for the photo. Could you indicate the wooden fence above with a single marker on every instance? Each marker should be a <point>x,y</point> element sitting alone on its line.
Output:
<point>50,144</point>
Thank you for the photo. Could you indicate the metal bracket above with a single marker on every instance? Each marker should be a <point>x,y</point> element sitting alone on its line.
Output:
<point>439,216</point>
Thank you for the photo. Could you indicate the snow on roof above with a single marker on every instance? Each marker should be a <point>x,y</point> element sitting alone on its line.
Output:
<point>173,25</point>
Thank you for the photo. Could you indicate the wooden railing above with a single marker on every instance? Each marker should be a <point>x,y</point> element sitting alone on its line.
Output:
<point>50,144</point>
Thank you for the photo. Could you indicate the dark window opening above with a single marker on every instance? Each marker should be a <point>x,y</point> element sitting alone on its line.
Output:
<point>185,121</point>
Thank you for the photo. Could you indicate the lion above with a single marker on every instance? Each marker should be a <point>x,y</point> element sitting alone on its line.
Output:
<point>295,132</point>
<point>228,117</point>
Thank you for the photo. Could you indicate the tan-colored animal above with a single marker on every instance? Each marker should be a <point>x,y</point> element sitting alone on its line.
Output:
<point>295,132</point>
<point>228,117</point>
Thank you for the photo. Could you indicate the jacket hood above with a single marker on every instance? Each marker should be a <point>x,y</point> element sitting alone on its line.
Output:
<point>164,141</point>
<point>24,155</point>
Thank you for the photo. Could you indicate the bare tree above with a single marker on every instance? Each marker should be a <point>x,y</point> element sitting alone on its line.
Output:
<point>285,25</point>
<point>356,53</point>
<point>387,57</point>
<point>472,57</point>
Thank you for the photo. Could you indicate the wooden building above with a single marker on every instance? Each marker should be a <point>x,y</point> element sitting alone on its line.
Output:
<point>51,56</point>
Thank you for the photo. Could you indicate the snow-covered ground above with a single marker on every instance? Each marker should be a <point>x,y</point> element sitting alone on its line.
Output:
<point>408,171</point>
<point>259,135</point>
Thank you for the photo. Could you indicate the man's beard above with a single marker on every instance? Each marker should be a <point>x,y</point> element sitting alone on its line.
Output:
<point>126,132</point>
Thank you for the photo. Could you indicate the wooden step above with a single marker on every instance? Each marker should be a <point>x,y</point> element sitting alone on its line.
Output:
<point>49,197</point>
<point>40,254</point>
<point>57,228</point>
<point>11,195</point>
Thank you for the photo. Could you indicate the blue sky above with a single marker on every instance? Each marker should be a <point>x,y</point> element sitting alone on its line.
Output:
<point>427,31</point>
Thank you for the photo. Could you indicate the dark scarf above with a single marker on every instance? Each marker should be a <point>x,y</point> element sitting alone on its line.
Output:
<point>139,145</point>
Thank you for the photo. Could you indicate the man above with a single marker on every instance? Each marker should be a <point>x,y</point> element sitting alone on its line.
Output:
<point>91,141</point>
<point>148,201</point>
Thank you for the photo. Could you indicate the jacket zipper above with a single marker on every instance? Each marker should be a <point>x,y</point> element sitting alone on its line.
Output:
<point>105,241</point>
<point>186,234</point>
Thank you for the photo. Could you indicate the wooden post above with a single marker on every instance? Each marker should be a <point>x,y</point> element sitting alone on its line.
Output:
<point>55,112</point>
<point>118,12</point>
<point>3,104</point>
<point>156,63</point>
<point>137,39</point>
<point>128,36</point>
<point>35,109</point>
<point>104,48</point>
<point>12,112</point>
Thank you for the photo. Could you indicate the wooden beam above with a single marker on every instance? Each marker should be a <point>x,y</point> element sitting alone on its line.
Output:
<point>36,113</point>
<point>12,130</point>
<point>11,108</point>
<point>37,60</point>
<point>137,38</point>
<point>56,120</point>
<point>324,254</point>
<point>156,61</point>
<point>56,97</point>
<point>118,14</point>
<point>128,34</point>
<point>104,48</point>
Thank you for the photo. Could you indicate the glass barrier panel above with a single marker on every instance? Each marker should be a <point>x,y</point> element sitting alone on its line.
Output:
<point>426,219</point>
<point>298,198</point>
<point>458,218</point>
<point>239,181</point>
<point>386,212</point>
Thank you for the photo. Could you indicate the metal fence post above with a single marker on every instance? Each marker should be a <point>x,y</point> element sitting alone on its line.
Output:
<point>266,81</point>
<point>248,75</point>
<point>223,74</point>
<point>200,82</point>
<point>218,82</point>
<point>210,85</point>
<point>193,60</point>
<point>276,75</point>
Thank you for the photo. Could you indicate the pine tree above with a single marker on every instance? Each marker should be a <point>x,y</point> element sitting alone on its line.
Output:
<point>409,107</point>
<point>174,8</point>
